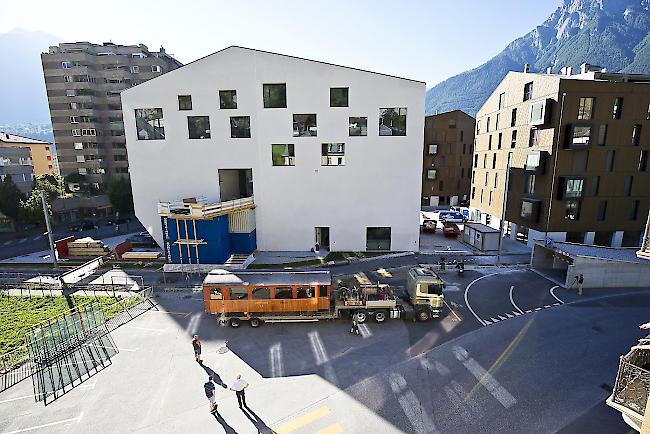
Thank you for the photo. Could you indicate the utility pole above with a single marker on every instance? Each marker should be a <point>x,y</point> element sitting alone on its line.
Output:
<point>503,208</point>
<point>49,230</point>
<point>555,152</point>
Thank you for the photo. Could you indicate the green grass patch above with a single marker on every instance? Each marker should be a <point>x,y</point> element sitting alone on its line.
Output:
<point>20,314</point>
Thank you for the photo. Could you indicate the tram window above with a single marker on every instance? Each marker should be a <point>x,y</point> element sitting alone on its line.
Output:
<point>261,293</point>
<point>322,291</point>
<point>215,294</point>
<point>304,292</point>
<point>283,293</point>
<point>431,288</point>
<point>239,293</point>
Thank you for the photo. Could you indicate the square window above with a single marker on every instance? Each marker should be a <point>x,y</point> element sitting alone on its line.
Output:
<point>240,127</point>
<point>304,125</point>
<point>358,126</point>
<point>149,124</point>
<point>378,238</point>
<point>333,154</point>
<point>283,155</point>
<point>70,92</point>
<point>392,121</point>
<point>433,149</point>
<point>275,95</point>
<point>431,174</point>
<point>185,102</point>
<point>228,99</point>
<point>338,97</point>
<point>199,127</point>
<point>572,210</point>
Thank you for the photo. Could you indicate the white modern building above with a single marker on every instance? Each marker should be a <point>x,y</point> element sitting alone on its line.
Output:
<point>330,154</point>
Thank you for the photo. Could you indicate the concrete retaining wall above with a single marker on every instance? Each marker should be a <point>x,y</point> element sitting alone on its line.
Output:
<point>604,273</point>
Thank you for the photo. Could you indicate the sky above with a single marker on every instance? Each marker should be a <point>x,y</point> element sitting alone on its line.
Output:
<point>424,40</point>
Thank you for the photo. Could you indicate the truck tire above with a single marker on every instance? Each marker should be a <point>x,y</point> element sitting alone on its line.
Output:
<point>361,316</point>
<point>234,322</point>
<point>381,316</point>
<point>255,322</point>
<point>423,315</point>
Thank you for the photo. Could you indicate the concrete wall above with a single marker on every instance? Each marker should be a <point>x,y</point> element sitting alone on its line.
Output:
<point>602,273</point>
<point>378,186</point>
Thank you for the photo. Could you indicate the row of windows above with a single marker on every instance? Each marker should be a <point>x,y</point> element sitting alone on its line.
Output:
<point>135,69</point>
<point>332,154</point>
<point>90,92</point>
<point>274,96</point>
<point>579,136</point>
<point>149,125</point>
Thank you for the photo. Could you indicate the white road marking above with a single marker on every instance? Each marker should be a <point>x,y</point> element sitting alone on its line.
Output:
<point>467,301</point>
<point>36,238</point>
<point>6,243</point>
<point>411,406</point>
<point>452,311</point>
<point>509,316</point>
<point>484,377</point>
<point>317,348</point>
<point>32,428</point>
<point>528,311</point>
<point>275,360</point>
<point>552,291</point>
<point>514,312</point>
<point>22,240</point>
<point>502,318</point>
<point>557,304</point>
<point>538,308</point>
<point>487,322</point>
<point>193,325</point>
<point>83,386</point>
<point>494,320</point>
<point>365,331</point>
<point>512,301</point>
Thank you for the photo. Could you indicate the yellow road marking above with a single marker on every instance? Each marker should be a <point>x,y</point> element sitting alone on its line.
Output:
<point>301,421</point>
<point>335,428</point>
<point>362,278</point>
<point>383,272</point>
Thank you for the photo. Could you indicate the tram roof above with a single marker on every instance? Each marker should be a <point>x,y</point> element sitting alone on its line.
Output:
<point>267,278</point>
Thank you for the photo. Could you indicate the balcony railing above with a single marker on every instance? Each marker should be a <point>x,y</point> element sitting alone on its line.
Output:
<point>630,394</point>
<point>198,211</point>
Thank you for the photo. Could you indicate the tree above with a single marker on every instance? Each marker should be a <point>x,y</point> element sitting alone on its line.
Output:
<point>31,209</point>
<point>52,185</point>
<point>10,197</point>
<point>120,195</point>
<point>76,178</point>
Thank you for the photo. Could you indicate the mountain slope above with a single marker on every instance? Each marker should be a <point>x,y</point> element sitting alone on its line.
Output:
<point>611,33</point>
<point>21,78</point>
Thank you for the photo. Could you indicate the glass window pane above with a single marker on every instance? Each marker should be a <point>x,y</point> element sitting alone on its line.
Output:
<point>261,293</point>
<point>392,121</point>
<point>338,97</point>
<point>149,124</point>
<point>358,126</point>
<point>305,292</point>
<point>304,125</point>
<point>240,127</point>
<point>185,102</point>
<point>275,95</point>
<point>378,238</point>
<point>283,293</point>
<point>239,293</point>
<point>333,154</point>
<point>199,127</point>
<point>283,155</point>
<point>228,99</point>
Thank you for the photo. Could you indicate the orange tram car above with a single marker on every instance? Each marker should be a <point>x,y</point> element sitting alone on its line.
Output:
<point>293,296</point>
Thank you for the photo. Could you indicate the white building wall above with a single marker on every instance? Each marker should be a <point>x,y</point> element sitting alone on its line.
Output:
<point>378,186</point>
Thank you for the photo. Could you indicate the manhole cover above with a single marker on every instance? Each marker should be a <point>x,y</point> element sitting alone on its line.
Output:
<point>223,350</point>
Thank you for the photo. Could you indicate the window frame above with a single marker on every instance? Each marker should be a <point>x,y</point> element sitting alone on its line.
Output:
<point>344,96</point>
<point>307,127</point>
<point>228,102</point>
<point>394,131</point>
<point>207,134</point>
<point>290,158</point>
<point>362,120</point>
<point>183,104</point>
<point>240,132</point>
<point>268,98</point>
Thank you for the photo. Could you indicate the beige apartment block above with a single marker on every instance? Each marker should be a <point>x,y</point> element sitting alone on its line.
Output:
<point>577,146</point>
<point>83,83</point>
<point>447,162</point>
<point>42,157</point>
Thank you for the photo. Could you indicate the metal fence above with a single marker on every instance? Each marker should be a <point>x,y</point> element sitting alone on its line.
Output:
<point>17,364</point>
<point>633,379</point>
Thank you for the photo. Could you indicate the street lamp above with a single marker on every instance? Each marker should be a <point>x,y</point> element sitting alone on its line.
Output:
<point>49,230</point>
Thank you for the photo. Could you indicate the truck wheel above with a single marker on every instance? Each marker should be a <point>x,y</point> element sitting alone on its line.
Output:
<point>381,316</point>
<point>361,316</point>
<point>424,315</point>
<point>234,322</point>
<point>255,322</point>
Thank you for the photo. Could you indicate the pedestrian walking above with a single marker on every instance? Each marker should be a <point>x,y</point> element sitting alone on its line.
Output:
<point>443,264</point>
<point>196,343</point>
<point>355,326</point>
<point>209,393</point>
<point>581,280</point>
<point>239,387</point>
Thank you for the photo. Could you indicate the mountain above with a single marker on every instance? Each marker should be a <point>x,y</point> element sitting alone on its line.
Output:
<point>22,87</point>
<point>614,34</point>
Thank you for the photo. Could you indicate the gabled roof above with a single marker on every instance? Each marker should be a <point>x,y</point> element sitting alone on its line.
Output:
<point>13,138</point>
<point>275,54</point>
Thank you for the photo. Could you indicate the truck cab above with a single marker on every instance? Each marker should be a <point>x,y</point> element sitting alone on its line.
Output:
<point>424,291</point>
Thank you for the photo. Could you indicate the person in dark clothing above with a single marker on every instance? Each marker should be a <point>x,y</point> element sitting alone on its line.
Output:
<point>196,344</point>
<point>209,393</point>
<point>355,326</point>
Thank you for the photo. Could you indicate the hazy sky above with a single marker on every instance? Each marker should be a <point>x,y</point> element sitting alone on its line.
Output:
<point>425,40</point>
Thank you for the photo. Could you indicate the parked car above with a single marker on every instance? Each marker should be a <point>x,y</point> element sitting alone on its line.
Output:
<point>450,230</point>
<point>142,239</point>
<point>429,225</point>
<point>452,217</point>
<point>83,225</point>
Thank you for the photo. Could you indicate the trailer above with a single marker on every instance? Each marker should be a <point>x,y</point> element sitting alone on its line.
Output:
<point>303,296</point>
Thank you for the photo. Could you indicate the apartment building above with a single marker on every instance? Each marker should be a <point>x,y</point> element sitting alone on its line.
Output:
<point>577,147</point>
<point>41,154</point>
<point>83,82</point>
<point>447,160</point>
<point>311,152</point>
<point>16,164</point>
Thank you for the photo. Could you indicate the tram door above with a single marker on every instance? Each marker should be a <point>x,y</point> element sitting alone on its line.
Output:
<point>323,237</point>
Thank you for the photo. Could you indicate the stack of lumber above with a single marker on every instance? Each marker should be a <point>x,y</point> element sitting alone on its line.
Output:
<point>86,247</point>
<point>142,256</point>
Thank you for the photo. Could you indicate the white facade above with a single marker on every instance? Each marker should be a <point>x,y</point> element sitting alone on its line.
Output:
<point>379,185</point>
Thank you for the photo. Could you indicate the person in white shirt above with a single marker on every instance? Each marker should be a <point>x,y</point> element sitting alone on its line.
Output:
<point>238,387</point>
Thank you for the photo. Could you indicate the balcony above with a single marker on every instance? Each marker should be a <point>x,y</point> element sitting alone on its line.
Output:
<point>199,209</point>
<point>630,394</point>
